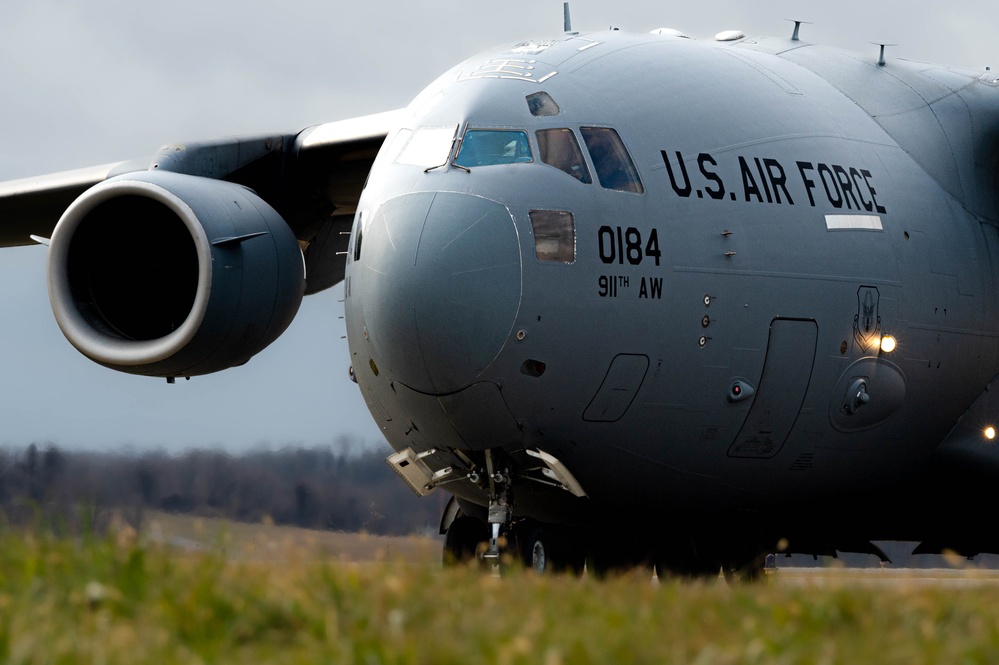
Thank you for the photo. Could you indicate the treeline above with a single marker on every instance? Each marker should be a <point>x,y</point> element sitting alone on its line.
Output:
<point>320,487</point>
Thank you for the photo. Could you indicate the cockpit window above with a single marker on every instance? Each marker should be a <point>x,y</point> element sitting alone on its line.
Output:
<point>559,148</point>
<point>615,170</point>
<point>429,146</point>
<point>485,147</point>
<point>541,104</point>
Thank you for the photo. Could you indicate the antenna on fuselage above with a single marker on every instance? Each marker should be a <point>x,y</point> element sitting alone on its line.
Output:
<point>566,21</point>
<point>797,27</point>
<point>881,57</point>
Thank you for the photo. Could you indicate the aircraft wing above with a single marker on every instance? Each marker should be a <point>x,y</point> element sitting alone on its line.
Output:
<point>313,178</point>
<point>332,164</point>
<point>32,206</point>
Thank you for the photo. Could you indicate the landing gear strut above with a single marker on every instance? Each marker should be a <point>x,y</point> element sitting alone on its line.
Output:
<point>499,515</point>
<point>548,549</point>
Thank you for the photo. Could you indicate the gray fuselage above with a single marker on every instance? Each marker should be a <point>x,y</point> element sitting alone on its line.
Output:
<point>704,340</point>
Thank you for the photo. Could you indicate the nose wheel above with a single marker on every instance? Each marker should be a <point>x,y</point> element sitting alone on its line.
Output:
<point>540,548</point>
<point>549,549</point>
<point>536,552</point>
<point>465,540</point>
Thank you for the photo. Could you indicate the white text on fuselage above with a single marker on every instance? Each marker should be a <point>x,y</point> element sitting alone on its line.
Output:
<point>765,180</point>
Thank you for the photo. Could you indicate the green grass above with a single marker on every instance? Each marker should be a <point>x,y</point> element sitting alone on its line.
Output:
<point>114,601</point>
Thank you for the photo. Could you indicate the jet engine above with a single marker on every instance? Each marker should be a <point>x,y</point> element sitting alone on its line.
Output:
<point>163,274</point>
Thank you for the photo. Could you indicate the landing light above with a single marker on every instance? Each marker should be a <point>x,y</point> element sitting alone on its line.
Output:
<point>888,344</point>
<point>990,433</point>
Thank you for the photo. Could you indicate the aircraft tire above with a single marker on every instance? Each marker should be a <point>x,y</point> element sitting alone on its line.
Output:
<point>464,540</point>
<point>536,551</point>
<point>545,550</point>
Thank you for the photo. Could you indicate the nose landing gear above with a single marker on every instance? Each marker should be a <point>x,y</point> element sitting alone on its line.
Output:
<point>499,514</point>
<point>541,548</point>
<point>538,547</point>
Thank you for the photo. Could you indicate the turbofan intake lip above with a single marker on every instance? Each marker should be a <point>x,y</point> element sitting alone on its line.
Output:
<point>81,332</point>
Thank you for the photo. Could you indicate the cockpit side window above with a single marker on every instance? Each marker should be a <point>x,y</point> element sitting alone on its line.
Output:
<point>486,147</point>
<point>615,170</point>
<point>554,235</point>
<point>559,148</point>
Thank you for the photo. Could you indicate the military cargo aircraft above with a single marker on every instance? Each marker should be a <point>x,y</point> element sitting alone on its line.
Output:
<point>628,297</point>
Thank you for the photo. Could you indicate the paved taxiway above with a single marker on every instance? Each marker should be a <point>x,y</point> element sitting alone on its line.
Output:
<point>877,577</point>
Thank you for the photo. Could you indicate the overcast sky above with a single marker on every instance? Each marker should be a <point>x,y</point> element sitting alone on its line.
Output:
<point>89,83</point>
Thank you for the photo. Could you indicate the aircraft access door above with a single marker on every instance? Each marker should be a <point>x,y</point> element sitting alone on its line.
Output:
<point>781,392</point>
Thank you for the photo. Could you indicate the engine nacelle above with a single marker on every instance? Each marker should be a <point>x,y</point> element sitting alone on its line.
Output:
<point>163,274</point>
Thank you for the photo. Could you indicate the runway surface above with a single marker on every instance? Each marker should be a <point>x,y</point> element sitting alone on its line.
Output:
<point>951,578</point>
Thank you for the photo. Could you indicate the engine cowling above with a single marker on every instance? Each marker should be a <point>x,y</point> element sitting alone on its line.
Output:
<point>163,274</point>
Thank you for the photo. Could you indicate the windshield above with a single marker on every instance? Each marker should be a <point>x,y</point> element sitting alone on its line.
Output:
<point>428,146</point>
<point>485,147</point>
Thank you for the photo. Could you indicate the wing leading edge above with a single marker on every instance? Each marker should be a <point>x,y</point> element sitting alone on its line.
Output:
<point>312,178</point>
<point>32,206</point>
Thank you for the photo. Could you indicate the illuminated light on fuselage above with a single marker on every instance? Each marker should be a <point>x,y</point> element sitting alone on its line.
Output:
<point>888,344</point>
<point>990,433</point>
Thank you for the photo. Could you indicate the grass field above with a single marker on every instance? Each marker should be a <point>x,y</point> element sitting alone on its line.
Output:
<point>128,599</point>
<point>268,542</point>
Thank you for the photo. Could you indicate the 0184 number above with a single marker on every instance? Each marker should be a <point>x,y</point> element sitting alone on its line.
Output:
<point>620,245</point>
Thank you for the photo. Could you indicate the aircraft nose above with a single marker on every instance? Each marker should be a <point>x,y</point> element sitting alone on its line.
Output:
<point>441,276</point>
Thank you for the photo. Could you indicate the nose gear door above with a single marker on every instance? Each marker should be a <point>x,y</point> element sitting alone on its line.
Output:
<point>783,384</point>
